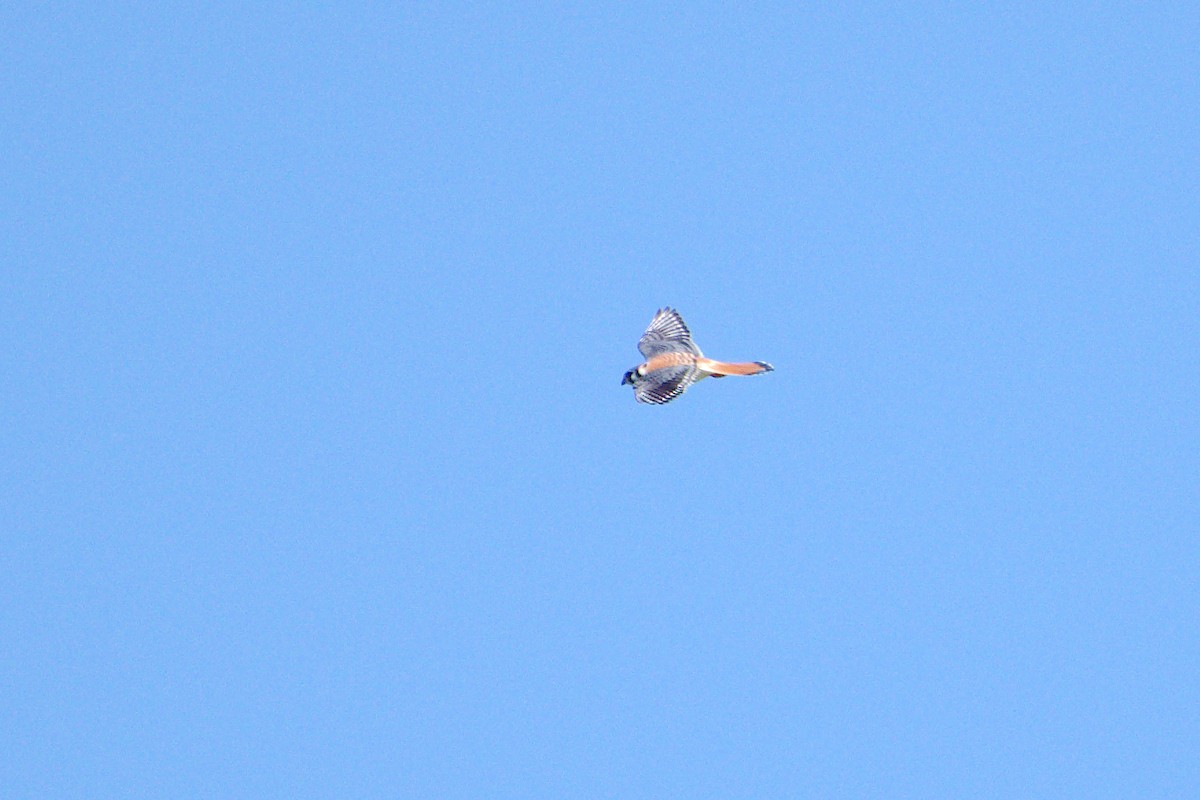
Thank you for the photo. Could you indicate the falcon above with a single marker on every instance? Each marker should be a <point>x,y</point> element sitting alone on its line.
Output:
<point>674,362</point>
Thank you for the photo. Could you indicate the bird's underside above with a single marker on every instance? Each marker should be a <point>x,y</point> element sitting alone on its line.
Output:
<point>674,362</point>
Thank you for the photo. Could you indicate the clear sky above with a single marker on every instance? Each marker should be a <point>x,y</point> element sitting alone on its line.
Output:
<point>318,480</point>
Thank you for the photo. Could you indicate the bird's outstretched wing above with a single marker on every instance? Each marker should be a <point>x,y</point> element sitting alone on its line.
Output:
<point>667,334</point>
<point>664,385</point>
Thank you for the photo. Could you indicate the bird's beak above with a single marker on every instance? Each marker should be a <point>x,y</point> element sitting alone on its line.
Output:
<point>627,378</point>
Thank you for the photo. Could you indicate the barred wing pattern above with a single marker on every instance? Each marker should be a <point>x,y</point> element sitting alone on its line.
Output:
<point>667,334</point>
<point>664,385</point>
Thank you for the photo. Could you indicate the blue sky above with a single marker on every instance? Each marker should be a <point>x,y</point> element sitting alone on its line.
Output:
<point>318,479</point>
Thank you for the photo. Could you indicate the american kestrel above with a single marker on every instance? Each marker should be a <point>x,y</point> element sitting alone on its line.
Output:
<point>674,362</point>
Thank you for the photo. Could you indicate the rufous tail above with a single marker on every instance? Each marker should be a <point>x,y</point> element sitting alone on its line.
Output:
<point>719,369</point>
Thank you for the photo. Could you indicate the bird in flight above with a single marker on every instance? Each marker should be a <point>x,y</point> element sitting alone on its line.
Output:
<point>674,362</point>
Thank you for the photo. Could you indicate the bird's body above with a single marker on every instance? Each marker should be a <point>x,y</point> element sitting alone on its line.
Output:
<point>674,362</point>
